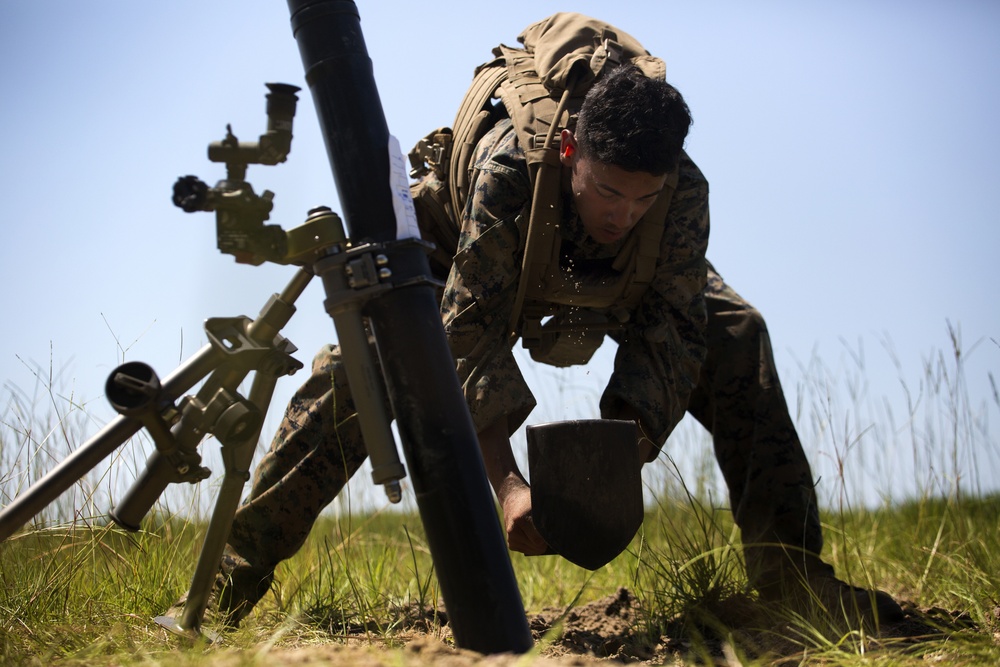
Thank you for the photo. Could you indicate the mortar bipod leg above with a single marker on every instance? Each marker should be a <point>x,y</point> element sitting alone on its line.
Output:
<point>237,454</point>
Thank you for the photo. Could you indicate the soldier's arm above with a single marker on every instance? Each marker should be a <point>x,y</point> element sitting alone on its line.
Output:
<point>512,490</point>
<point>478,298</point>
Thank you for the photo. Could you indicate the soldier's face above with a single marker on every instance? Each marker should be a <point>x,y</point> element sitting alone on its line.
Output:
<point>609,199</point>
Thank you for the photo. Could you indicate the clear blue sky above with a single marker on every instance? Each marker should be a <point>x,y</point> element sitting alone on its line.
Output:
<point>852,150</point>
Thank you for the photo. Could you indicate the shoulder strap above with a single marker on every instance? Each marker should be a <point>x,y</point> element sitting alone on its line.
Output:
<point>541,86</point>
<point>475,116</point>
<point>536,117</point>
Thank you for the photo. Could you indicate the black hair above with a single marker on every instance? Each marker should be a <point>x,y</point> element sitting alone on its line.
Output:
<point>632,121</point>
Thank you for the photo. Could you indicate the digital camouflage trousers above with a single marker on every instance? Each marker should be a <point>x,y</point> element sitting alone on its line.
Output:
<point>739,399</point>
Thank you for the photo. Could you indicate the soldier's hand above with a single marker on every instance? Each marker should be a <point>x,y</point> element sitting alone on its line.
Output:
<point>521,533</point>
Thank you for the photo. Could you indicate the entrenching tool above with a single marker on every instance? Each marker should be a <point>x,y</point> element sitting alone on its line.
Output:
<point>586,487</point>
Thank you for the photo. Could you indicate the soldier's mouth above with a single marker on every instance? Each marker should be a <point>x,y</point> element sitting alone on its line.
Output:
<point>610,235</point>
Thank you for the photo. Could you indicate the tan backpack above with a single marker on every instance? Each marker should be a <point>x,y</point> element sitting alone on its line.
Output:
<point>540,87</point>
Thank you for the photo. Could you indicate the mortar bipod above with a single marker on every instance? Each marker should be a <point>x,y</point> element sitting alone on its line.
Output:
<point>341,271</point>
<point>177,425</point>
<point>138,392</point>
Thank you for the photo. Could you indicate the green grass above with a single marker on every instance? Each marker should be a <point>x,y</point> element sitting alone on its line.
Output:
<point>87,596</point>
<point>74,591</point>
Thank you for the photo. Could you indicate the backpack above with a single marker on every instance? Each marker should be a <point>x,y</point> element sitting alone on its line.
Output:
<point>540,87</point>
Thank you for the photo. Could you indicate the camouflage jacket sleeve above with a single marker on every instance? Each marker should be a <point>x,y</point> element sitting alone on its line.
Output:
<point>661,351</point>
<point>481,287</point>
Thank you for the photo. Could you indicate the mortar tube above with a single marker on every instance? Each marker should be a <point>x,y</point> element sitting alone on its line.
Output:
<point>438,436</point>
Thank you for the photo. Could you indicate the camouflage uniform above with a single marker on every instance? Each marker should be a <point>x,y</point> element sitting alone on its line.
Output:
<point>692,344</point>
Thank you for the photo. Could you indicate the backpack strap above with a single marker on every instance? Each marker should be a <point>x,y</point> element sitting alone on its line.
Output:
<point>475,116</point>
<point>541,87</point>
<point>536,117</point>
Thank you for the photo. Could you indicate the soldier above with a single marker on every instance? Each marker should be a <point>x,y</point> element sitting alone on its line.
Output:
<point>630,197</point>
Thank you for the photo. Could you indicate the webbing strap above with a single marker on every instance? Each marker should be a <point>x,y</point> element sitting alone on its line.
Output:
<point>543,221</point>
<point>470,121</point>
<point>536,117</point>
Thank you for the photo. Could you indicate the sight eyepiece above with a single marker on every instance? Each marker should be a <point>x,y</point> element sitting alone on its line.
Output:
<point>273,146</point>
<point>281,102</point>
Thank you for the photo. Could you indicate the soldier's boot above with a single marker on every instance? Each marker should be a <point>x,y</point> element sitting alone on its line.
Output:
<point>815,592</point>
<point>237,588</point>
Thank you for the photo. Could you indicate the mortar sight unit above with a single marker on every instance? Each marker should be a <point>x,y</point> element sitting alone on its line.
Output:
<point>239,211</point>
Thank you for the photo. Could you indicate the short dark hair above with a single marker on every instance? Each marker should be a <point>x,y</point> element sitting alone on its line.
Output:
<point>632,121</point>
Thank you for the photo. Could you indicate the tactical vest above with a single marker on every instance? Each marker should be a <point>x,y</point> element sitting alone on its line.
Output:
<point>561,318</point>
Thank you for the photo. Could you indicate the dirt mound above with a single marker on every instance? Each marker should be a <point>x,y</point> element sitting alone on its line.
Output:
<point>605,628</point>
<point>617,628</point>
<point>612,629</point>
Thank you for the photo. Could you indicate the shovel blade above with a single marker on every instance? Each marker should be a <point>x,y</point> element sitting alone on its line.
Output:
<point>586,487</point>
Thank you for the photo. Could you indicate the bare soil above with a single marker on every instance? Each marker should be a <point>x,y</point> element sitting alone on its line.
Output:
<point>610,630</point>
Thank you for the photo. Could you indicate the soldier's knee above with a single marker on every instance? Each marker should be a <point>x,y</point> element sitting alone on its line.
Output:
<point>739,350</point>
<point>748,327</point>
<point>754,345</point>
<point>326,360</point>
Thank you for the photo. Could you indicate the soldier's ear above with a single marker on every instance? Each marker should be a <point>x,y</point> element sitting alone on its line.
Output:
<point>568,148</point>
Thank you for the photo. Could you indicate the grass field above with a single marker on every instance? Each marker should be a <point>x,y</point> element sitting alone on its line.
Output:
<point>75,591</point>
<point>87,595</point>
